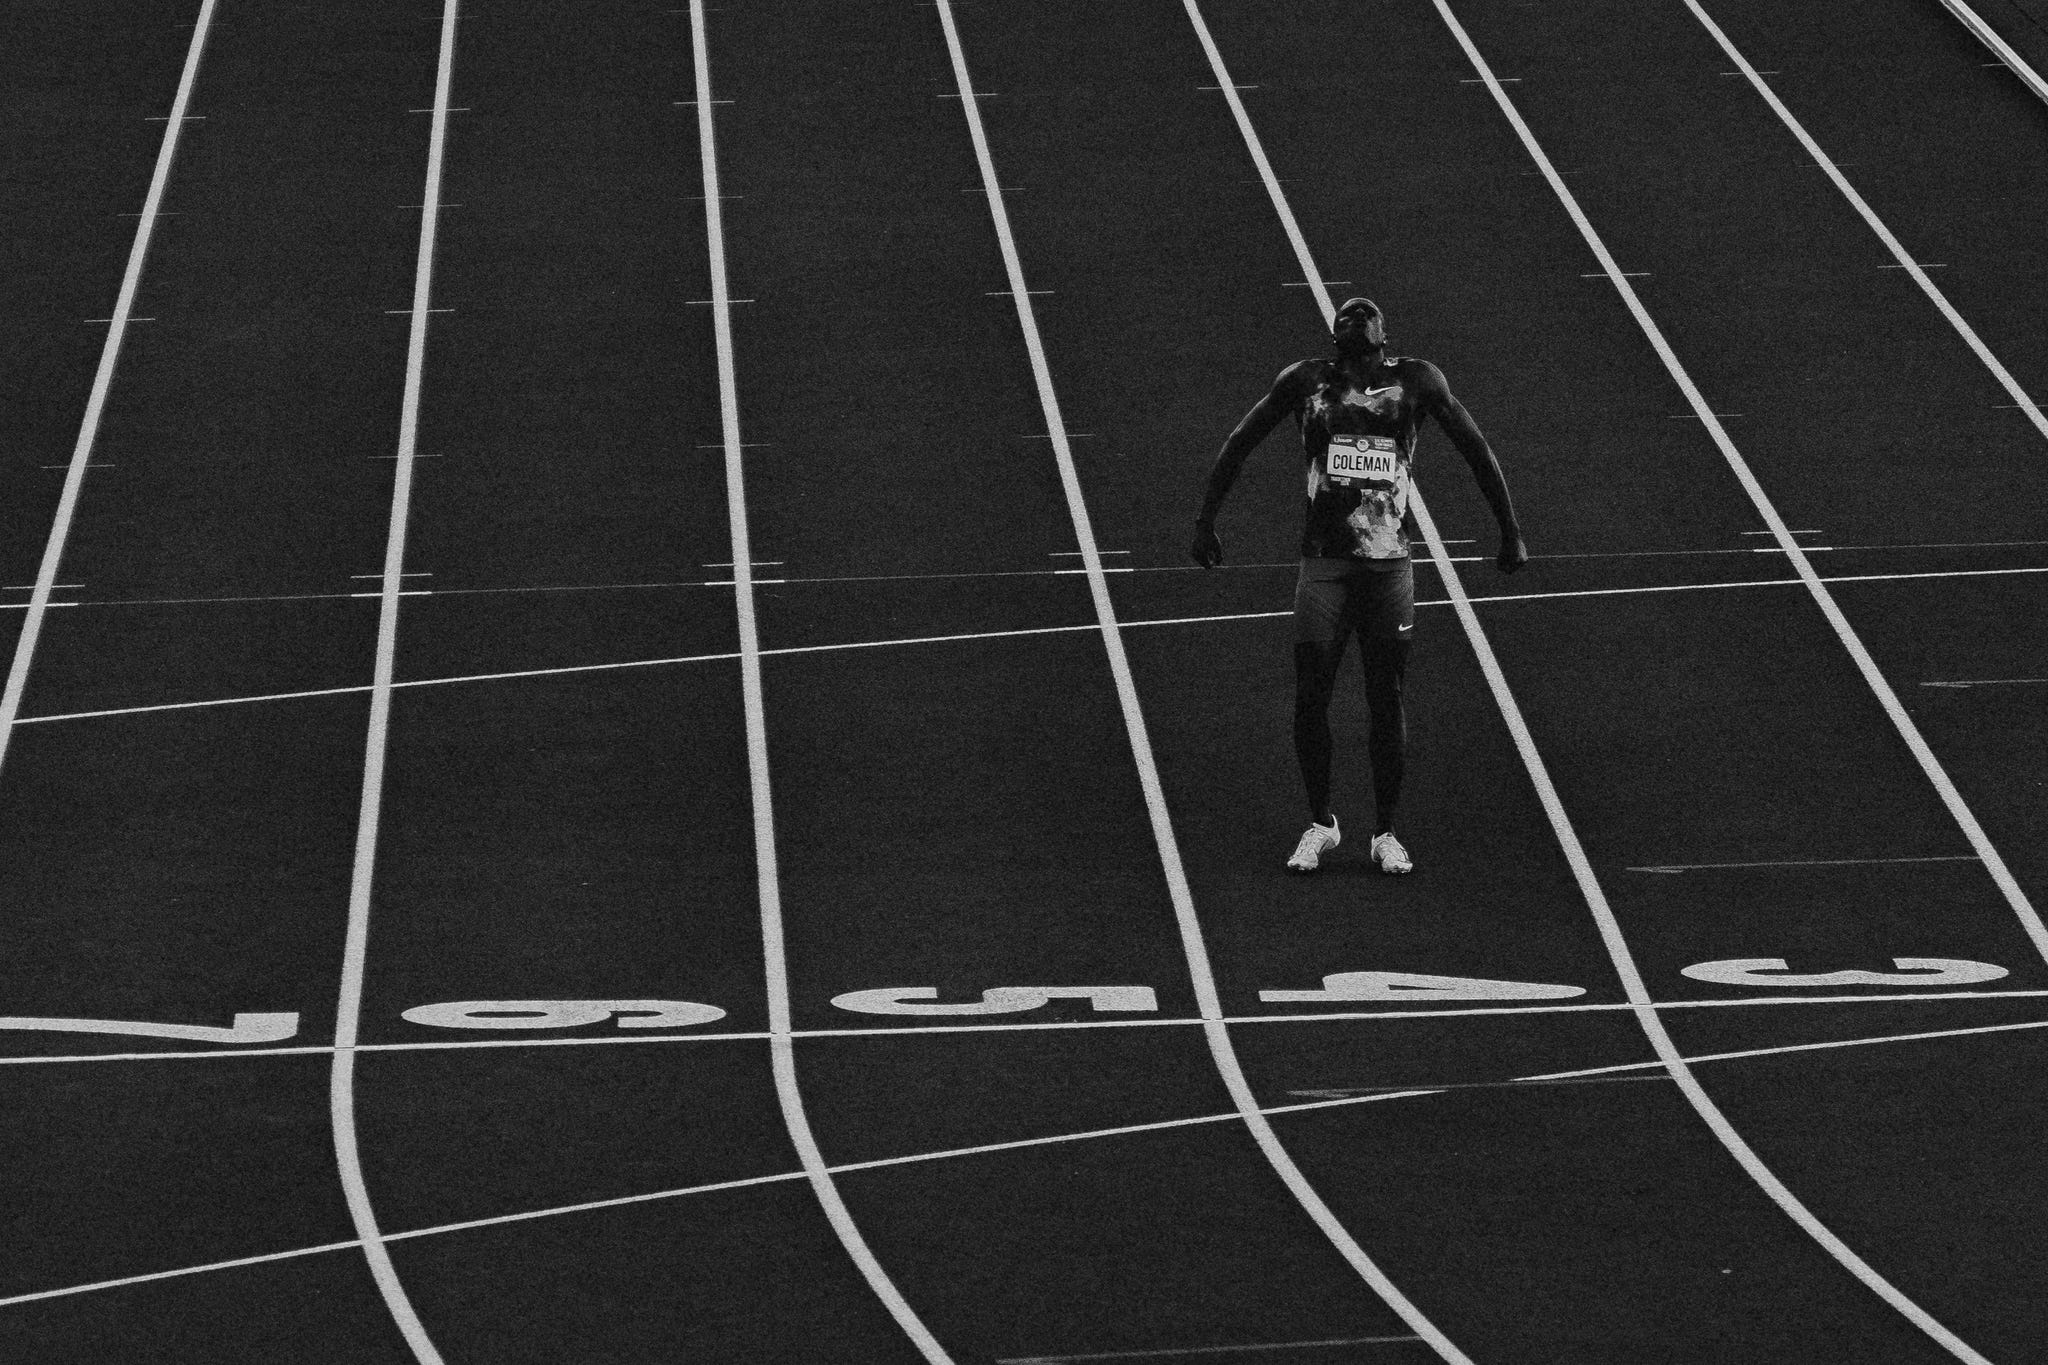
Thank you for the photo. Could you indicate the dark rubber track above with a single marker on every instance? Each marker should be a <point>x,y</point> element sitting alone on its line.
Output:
<point>965,814</point>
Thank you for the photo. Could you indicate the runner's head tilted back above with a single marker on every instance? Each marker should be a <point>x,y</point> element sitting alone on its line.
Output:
<point>1359,329</point>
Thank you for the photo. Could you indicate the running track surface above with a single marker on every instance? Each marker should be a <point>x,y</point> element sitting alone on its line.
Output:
<point>946,755</point>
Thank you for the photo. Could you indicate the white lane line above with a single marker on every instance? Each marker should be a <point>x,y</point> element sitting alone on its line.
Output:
<point>1986,682</point>
<point>209,1267</point>
<point>1760,583</point>
<point>1596,898</point>
<point>348,1011</point>
<point>2008,885</point>
<point>782,1051</point>
<point>1008,635</point>
<point>1809,862</point>
<point>1339,1017</point>
<point>190,705</point>
<point>1984,34</point>
<point>228,600</point>
<point>1894,545</point>
<point>1787,1049</point>
<point>103,380</point>
<point>1289,565</point>
<point>1183,1352</point>
<point>1337,1092</point>
<point>1620,1070</point>
<point>1869,216</point>
<point>1215,1031</point>
<point>1156,1126</point>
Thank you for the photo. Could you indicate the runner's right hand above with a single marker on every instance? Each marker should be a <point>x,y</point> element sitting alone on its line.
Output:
<point>1208,547</point>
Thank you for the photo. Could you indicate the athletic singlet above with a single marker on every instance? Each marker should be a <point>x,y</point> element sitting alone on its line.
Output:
<point>1359,443</point>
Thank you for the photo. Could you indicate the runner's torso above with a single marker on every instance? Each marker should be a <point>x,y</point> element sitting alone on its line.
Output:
<point>1359,443</point>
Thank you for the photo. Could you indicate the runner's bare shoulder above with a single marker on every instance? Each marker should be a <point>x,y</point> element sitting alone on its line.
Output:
<point>1297,381</point>
<point>1423,376</point>
<point>1430,391</point>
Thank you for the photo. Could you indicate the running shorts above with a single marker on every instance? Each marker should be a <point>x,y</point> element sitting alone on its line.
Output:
<point>1335,597</point>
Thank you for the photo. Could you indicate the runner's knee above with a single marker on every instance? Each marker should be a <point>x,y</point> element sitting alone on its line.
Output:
<point>1386,672</point>
<point>1385,660</point>
<point>1315,674</point>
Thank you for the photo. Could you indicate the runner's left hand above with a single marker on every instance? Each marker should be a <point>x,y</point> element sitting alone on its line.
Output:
<point>1513,552</point>
<point>1208,547</point>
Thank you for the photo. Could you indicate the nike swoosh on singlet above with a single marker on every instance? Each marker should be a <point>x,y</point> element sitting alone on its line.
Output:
<point>1367,398</point>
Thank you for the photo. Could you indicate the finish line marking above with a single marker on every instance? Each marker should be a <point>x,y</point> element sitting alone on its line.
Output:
<point>782,1177</point>
<point>985,635</point>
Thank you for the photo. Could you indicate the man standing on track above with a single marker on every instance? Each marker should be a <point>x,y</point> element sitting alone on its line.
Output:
<point>1359,415</point>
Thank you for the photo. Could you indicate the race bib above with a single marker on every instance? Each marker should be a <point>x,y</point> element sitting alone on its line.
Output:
<point>1365,462</point>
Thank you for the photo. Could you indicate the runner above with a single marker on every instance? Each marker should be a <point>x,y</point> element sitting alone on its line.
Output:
<point>1359,415</point>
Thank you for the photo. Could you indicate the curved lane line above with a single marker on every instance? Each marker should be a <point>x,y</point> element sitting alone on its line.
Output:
<point>1870,217</point>
<point>781,1045</point>
<point>1214,1029</point>
<point>1589,885</point>
<point>2000,48</point>
<point>1908,731</point>
<point>102,382</point>
<point>348,1010</point>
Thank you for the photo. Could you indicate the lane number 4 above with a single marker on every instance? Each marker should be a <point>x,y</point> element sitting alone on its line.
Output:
<point>1409,987</point>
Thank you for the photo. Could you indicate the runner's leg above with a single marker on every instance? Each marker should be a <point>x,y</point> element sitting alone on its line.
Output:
<point>1383,646</point>
<point>1320,634</point>
<point>1386,666</point>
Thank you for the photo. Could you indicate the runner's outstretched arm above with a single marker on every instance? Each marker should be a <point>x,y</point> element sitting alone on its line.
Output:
<point>1284,397</point>
<point>1457,424</point>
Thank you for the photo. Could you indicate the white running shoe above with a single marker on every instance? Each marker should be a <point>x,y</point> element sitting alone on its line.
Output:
<point>1387,852</point>
<point>1308,854</point>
